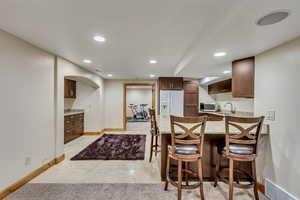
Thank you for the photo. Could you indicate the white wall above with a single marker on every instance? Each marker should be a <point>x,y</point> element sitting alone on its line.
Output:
<point>32,107</point>
<point>27,108</point>
<point>204,97</point>
<point>138,96</point>
<point>277,88</point>
<point>114,102</point>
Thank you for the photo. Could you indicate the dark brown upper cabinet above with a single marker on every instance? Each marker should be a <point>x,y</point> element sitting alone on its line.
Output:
<point>70,89</point>
<point>170,83</point>
<point>220,87</point>
<point>243,72</point>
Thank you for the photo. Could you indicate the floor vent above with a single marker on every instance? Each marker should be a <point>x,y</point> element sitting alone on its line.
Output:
<point>274,192</point>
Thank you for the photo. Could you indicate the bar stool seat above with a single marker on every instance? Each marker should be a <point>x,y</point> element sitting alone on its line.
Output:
<point>185,149</point>
<point>240,149</point>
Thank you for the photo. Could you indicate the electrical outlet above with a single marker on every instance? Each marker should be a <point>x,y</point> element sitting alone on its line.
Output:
<point>270,115</point>
<point>27,161</point>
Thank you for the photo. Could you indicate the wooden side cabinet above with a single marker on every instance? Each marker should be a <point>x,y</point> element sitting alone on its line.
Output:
<point>70,89</point>
<point>74,127</point>
<point>170,83</point>
<point>220,87</point>
<point>243,72</point>
<point>191,98</point>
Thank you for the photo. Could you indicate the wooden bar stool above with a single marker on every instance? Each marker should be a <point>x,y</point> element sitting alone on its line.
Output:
<point>187,146</point>
<point>154,134</point>
<point>240,147</point>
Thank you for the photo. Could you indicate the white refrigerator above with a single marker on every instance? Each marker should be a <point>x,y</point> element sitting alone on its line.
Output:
<point>171,102</point>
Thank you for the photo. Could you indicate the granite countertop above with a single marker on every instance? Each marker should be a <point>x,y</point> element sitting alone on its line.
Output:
<point>228,113</point>
<point>212,127</point>
<point>73,112</point>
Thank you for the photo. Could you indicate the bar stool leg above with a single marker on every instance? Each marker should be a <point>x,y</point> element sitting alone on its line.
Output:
<point>218,160</point>
<point>186,173</point>
<point>151,149</point>
<point>179,179</point>
<point>200,174</point>
<point>254,179</point>
<point>156,144</point>
<point>167,173</point>
<point>230,179</point>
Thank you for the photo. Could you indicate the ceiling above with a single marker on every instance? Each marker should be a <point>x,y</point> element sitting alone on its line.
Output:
<point>182,35</point>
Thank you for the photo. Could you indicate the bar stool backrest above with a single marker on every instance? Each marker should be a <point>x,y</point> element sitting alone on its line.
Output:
<point>187,134</point>
<point>247,136</point>
<point>212,116</point>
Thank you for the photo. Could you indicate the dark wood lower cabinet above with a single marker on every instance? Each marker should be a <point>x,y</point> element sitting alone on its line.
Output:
<point>74,127</point>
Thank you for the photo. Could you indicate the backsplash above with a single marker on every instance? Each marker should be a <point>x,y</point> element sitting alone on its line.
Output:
<point>240,104</point>
<point>69,103</point>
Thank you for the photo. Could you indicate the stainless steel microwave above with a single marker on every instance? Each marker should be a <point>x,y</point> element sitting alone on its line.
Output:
<point>209,107</point>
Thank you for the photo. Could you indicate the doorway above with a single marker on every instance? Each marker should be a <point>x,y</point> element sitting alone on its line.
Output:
<point>138,98</point>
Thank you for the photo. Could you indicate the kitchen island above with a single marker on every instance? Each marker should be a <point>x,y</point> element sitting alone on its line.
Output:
<point>214,133</point>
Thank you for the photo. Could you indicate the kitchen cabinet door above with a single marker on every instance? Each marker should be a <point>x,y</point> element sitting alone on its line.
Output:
<point>177,83</point>
<point>74,127</point>
<point>243,72</point>
<point>191,98</point>
<point>220,87</point>
<point>70,89</point>
<point>170,83</point>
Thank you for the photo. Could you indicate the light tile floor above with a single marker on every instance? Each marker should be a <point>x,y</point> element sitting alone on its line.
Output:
<point>99,171</point>
<point>103,171</point>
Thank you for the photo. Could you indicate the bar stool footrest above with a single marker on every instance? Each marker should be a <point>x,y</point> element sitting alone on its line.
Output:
<point>184,186</point>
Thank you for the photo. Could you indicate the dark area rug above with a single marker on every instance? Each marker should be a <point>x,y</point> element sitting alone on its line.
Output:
<point>115,147</point>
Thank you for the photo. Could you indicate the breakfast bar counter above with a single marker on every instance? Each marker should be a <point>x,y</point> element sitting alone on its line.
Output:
<point>214,132</point>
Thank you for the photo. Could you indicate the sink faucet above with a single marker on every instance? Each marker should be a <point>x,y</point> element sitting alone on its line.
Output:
<point>232,110</point>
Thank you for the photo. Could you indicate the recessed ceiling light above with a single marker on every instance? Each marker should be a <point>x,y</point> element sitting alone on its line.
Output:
<point>152,75</point>
<point>87,61</point>
<point>272,18</point>
<point>153,61</point>
<point>220,54</point>
<point>109,75</point>
<point>227,72</point>
<point>99,38</point>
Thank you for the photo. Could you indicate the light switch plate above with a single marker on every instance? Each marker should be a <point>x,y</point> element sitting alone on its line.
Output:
<point>271,115</point>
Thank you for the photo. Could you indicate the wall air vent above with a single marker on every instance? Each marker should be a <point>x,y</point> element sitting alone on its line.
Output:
<point>275,192</point>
